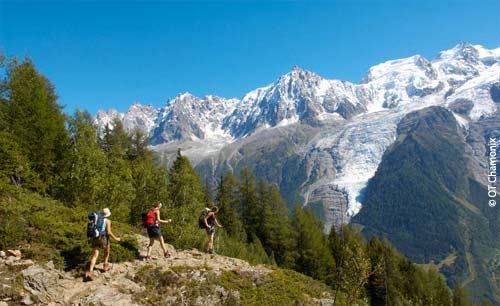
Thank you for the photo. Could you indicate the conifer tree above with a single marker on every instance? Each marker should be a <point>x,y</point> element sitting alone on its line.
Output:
<point>460,297</point>
<point>15,168</point>
<point>185,201</point>
<point>229,206</point>
<point>353,265</point>
<point>377,282</point>
<point>119,190</point>
<point>313,255</point>
<point>138,146</point>
<point>278,235</point>
<point>148,179</point>
<point>248,203</point>
<point>35,121</point>
<point>87,175</point>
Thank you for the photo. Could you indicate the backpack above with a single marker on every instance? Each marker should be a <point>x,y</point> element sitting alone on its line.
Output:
<point>201,218</point>
<point>96,226</point>
<point>148,217</point>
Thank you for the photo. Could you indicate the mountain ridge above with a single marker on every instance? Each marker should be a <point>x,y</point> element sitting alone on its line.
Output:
<point>352,124</point>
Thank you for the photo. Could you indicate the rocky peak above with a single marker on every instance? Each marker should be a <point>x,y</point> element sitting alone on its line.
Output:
<point>463,51</point>
<point>399,70</point>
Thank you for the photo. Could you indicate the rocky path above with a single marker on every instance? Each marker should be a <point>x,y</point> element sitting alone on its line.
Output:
<point>46,285</point>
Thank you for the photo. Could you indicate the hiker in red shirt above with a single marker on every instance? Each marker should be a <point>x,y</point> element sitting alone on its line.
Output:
<point>153,228</point>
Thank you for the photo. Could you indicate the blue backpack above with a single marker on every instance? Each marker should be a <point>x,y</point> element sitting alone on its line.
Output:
<point>96,226</point>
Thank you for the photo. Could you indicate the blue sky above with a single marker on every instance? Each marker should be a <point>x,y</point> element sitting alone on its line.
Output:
<point>102,55</point>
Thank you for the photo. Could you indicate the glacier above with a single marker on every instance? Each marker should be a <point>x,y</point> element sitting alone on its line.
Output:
<point>357,122</point>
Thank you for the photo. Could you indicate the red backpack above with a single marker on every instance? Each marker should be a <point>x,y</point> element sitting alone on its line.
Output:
<point>148,217</point>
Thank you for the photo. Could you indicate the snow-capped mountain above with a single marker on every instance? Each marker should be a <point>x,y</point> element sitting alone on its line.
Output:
<point>296,96</point>
<point>187,117</point>
<point>137,116</point>
<point>351,124</point>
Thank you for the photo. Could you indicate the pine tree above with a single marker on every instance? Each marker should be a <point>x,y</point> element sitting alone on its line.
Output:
<point>148,179</point>
<point>138,146</point>
<point>353,267</point>
<point>278,235</point>
<point>377,282</point>
<point>185,202</point>
<point>249,205</point>
<point>86,178</point>
<point>15,168</point>
<point>119,190</point>
<point>313,255</point>
<point>460,297</point>
<point>35,121</point>
<point>436,292</point>
<point>229,206</point>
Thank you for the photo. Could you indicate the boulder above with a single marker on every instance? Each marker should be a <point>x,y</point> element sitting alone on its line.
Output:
<point>15,253</point>
<point>42,283</point>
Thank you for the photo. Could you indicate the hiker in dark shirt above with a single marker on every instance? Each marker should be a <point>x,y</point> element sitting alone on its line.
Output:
<point>154,232</point>
<point>210,222</point>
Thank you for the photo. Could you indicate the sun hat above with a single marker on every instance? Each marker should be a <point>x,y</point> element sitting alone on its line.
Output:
<point>106,212</point>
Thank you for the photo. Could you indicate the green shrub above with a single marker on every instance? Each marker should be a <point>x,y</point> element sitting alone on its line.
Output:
<point>46,230</point>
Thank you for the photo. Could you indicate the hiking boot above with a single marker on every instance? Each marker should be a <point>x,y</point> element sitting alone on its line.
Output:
<point>167,254</point>
<point>148,258</point>
<point>106,267</point>
<point>210,251</point>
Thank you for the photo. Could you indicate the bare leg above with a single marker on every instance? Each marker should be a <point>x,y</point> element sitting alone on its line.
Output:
<point>93,259</point>
<point>210,243</point>
<point>162,243</point>
<point>151,242</point>
<point>106,254</point>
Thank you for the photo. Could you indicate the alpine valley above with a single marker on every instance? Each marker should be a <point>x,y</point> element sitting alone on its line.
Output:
<point>403,154</point>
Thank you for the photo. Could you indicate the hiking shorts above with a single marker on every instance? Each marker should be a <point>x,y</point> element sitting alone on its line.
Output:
<point>154,232</point>
<point>99,242</point>
<point>211,230</point>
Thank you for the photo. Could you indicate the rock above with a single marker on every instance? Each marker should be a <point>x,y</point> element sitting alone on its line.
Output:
<point>27,300</point>
<point>221,291</point>
<point>171,300</point>
<point>15,253</point>
<point>18,263</point>
<point>208,300</point>
<point>156,251</point>
<point>42,283</point>
<point>3,304</point>
<point>461,106</point>
<point>127,286</point>
<point>10,260</point>
<point>324,302</point>
<point>234,295</point>
<point>108,296</point>
<point>2,254</point>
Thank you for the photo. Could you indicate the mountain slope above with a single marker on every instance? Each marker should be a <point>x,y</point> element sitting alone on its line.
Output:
<point>349,126</point>
<point>424,197</point>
